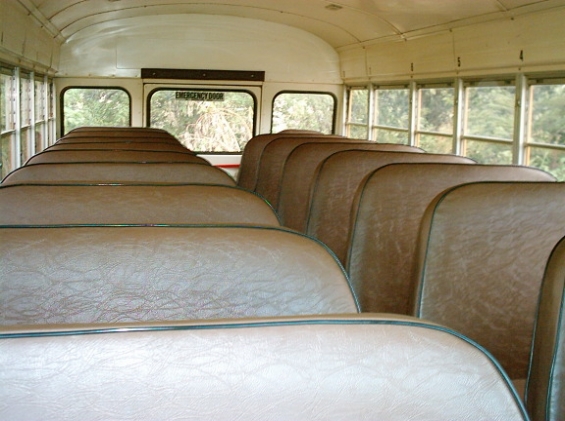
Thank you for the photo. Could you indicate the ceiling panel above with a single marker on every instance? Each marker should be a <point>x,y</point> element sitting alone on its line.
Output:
<point>343,23</point>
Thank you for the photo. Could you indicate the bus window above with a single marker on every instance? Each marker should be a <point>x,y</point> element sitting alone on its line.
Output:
<point>7,122</point>
<point>546,135</point>
<point>205,120</point>
<point>95,107</point>
<point>434,131</point>
<point>304,110</point>
<point>26,104</point>
<point>357,122</point>
<point>488,131</point>
<point>391,122</point>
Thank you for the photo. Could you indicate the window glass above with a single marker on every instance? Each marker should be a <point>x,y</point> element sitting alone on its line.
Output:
<point>547,127</point>
<point>303,110</point>
<point>6,145</point>
<point>436,143</point>
<point>489,152</point>
<point>7,107</point>
<point>550,160</point>
<point>548,114</point>
<point>490,111</point>
<point>6,103</point>
<point>435,118</point>
<point>39,101</point>
<point>95,107</point>
<point>357,132</point>
<point>25,100</point>
<point>358,113</point>
<point>390,136</point>
<point>436,110</point>
<point>204,120</point>
<point>359,106</point>
<point>392,108</point>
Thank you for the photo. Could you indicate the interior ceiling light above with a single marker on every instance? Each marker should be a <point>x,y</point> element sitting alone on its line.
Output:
<point>334,7</point>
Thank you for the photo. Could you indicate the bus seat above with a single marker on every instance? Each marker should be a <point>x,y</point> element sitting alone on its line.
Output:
<point>480,260</point>
<point>251,156</point>
<point>109,274</point>
<point>390,204</point>
<point>545,386</point>
<point>357,367</point>
<point>119,132</point>
<point>101,155</point>
<point>119,172</point>
<point>336,182</point>
<point>298,175</point>
<point>273,158</point>
<point>95,140</point>
<point>114,204</point>
<point>130,145</point>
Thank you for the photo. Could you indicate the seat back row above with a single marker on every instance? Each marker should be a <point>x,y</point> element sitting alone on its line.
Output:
<point>370,216</point>
<point>143,293</point>
<point>301,368</point>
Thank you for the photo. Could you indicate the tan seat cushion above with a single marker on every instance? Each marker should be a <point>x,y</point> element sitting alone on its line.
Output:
<point>121,274</point>
<point>545,388</point>
<point>299,173</point>
<point>482,252</point>
<point>119,172</point>
<point>390,205</point>
<point>132,204</point>
<point>323,368</point>
<point>337,181</point>
<point>101,155</point>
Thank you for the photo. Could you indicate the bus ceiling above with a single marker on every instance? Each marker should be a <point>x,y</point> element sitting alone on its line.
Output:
<point>332,41</point>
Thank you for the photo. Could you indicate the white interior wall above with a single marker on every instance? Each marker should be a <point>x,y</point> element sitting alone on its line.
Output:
<point>121,48</point>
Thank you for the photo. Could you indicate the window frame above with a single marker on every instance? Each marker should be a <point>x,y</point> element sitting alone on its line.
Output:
<point>306,92</point>
<point>207,88</point>
<point>84,87</point>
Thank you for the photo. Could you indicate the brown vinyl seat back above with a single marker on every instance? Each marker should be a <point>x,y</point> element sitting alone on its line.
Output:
<point>94,139</point>
<point>119,172</point>
<point>362,367</point>
<point>115,204</point>
<point>119,132</point>
<point>273,158</point>
<point>156,146</point>
<point>300,168</point>
<point>390,205</point>
<point>251,156</point>
<point>110,274</point>
<point>545,386</point>
<point>336,182</point>
<point>480,261</point>
<point>101,155</point>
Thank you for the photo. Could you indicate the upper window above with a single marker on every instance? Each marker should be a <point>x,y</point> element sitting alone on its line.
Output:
<point>95,107</point>
<point>357,113</point>
<point>205,120</point>
<point>304,111</point>
<point>546,135</point>
<point>435,119</point>
<point>391,122</point>
<point>489,123</point>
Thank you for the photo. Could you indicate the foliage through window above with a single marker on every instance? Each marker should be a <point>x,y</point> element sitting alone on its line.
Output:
<point>358,113</point>
<point>303,110</point>
<point>205,121</point>
<point>95,107</point>
<point>546,137</point>
<point>391,121</point>
<point>435,119</point>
